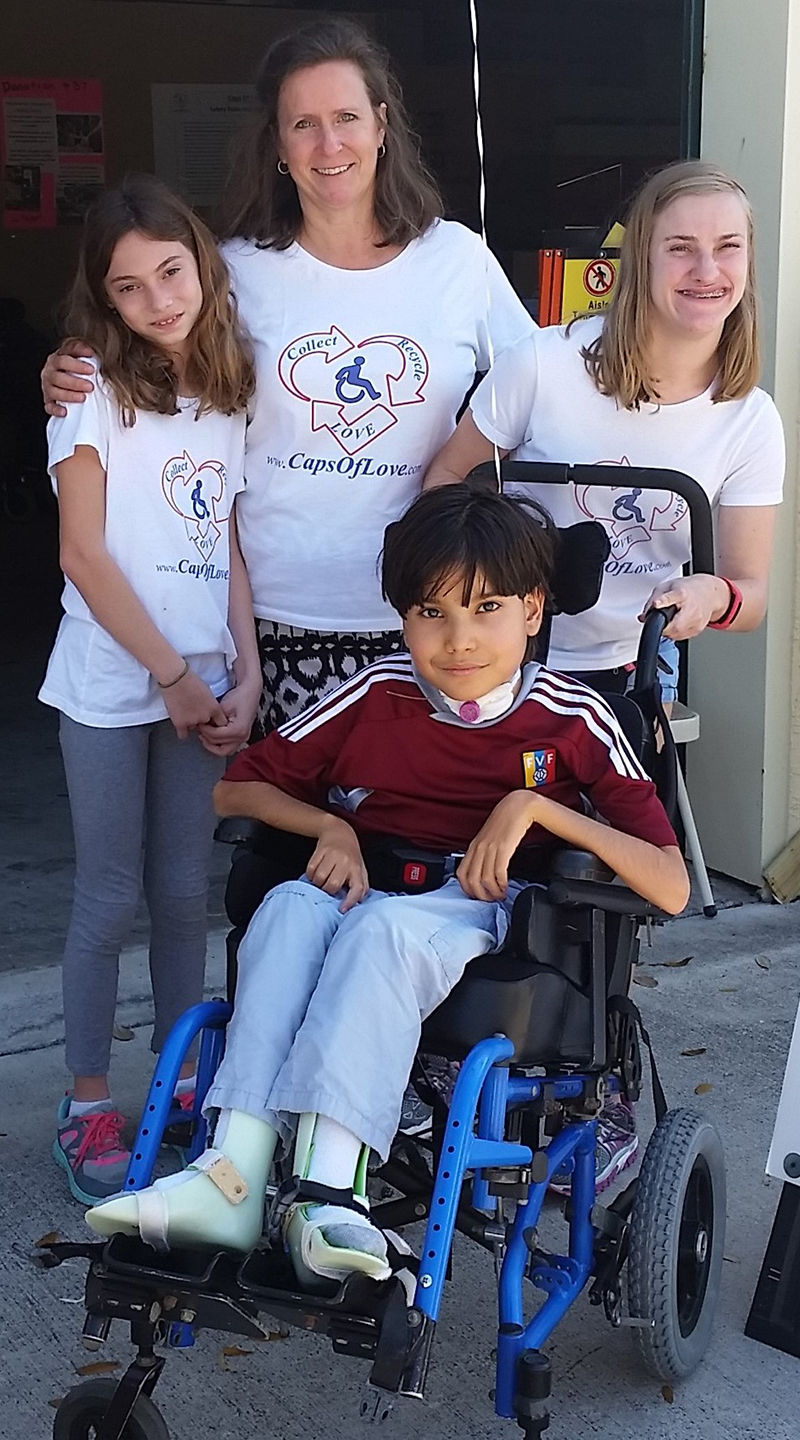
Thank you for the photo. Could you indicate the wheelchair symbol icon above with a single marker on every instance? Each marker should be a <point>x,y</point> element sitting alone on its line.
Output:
<point>350,375</point>
<point>199,506</point>
<point>625,507</point>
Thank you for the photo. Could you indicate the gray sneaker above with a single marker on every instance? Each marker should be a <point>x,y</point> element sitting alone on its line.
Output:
<point>415,1117</point>
<point>616,1149</point>
<point>88,1148</point>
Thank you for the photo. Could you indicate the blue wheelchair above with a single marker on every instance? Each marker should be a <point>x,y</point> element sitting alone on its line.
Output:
<point>545,1033</point>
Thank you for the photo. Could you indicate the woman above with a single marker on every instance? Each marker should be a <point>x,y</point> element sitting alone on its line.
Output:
<point>368,314</point>
<point>666,377</point>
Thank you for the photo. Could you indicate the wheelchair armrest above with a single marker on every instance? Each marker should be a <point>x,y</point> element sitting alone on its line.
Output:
<point>569,864</point>
<point>241,830</point>
<point>617,899</point>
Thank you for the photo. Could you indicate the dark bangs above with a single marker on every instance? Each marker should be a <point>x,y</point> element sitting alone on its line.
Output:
<point>458,532</point>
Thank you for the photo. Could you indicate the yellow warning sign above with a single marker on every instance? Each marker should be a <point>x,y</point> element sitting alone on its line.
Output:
<point>588,286</point>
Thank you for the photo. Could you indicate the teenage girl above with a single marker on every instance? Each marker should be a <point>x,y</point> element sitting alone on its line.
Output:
<point>155,670</point>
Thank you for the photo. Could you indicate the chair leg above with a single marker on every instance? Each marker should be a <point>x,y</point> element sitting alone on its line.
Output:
<point>695,849</point>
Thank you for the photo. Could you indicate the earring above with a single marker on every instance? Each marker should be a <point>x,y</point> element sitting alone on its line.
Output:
<point>282,168</point>
<point>381,151</point>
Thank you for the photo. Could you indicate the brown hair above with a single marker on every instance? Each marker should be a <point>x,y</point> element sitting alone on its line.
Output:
<point>219,366</point>
<point>263,206</point>
<point>470,533</point>
<point>617,359</point>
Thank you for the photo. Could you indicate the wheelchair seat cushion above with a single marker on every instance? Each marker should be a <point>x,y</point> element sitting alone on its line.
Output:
<point>535,990</point>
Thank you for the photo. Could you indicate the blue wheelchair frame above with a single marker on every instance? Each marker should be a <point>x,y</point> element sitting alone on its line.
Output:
<point>484,1086</point>
<point>372,1320</point>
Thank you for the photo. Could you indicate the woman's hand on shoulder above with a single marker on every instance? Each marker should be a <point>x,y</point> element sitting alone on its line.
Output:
<point>699,599</point>
<point>63,381</point>
<point>337,863</point>
<point>239,706</point>
<point>191,704</point>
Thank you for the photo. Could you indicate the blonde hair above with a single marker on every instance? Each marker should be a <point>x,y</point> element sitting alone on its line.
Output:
<point>617,359</point>
<point>219,365</point>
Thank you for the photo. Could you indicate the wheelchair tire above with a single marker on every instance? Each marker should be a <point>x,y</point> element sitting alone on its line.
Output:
<point>80,1412</point>
<point>677,1239</point>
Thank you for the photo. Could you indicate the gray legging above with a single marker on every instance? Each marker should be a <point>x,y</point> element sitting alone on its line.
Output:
<point>141,810</point>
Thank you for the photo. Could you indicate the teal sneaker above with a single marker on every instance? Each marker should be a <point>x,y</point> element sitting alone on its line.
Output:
<point>88,1148</point>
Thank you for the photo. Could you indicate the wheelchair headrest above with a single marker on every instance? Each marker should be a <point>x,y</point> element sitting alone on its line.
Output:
<point>581,553</point>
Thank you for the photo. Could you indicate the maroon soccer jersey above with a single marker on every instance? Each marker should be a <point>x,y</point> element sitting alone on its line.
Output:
<point>380,754</point>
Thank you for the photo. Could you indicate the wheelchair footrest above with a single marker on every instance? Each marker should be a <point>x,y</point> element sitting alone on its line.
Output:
<point>218,1290</point>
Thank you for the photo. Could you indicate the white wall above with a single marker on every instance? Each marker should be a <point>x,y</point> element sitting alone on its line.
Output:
<point>744,773</point>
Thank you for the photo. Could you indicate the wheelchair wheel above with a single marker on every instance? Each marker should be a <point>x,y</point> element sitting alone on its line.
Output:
<point>79,1415</point>
<point>677,1239</point>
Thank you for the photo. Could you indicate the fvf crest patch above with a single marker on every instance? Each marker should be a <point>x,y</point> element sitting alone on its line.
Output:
<point>539,767</point>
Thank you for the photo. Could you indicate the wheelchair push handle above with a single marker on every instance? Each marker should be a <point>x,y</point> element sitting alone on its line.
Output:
<point>655,623</point>
<point>535,472</point>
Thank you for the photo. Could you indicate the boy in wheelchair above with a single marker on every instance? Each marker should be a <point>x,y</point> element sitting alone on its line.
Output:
<point>465,747</point>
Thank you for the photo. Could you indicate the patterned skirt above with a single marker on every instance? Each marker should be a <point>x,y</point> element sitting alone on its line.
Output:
<point>300,666</point>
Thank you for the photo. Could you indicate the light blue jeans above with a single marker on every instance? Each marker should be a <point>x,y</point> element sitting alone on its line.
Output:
<point>329,1007</point>
<point>669,661</point>
<point>668,655</point>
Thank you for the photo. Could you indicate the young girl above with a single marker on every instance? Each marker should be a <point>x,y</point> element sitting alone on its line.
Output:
<point>155,670</point>
<point>666,377</point>
<point>335,977</point>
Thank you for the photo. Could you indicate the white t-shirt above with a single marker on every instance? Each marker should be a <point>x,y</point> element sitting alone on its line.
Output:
<point>546,407</point>
<point>171,482</point>
<point>361,374</point>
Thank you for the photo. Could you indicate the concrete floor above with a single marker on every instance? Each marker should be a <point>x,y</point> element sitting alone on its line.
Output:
<point>722,1001</point>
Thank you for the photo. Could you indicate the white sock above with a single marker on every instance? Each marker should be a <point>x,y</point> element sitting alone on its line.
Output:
<point>333,1160</point>
<point>86,1107</point>
<point>334,1154</point>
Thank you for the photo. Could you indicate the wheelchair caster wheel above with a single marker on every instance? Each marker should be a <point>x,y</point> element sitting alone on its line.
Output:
<point>82,1409</point>
<point>677,1240</point>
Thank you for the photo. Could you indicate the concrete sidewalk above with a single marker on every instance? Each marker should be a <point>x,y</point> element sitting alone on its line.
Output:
<point>739,1011</point>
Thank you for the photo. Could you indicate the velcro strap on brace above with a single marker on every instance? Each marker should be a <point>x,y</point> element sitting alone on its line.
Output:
<point>296,1191</point>
<point>153,1217</point>
<point>224,1175</point>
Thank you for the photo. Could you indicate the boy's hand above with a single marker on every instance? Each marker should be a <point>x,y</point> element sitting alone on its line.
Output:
<point>483,873</point>
<point>337,863</point>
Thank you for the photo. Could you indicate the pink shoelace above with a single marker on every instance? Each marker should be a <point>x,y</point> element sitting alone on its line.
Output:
<point>101,1137</point>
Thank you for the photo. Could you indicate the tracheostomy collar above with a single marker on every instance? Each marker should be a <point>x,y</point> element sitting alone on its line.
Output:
<point>487,707</point>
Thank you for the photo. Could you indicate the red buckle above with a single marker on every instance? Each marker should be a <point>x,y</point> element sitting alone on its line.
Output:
<point>414,873</point>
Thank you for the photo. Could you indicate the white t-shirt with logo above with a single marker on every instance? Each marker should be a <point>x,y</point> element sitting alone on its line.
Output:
<point>546,407</point>
<point>361,374</point>
<point>170,484</point>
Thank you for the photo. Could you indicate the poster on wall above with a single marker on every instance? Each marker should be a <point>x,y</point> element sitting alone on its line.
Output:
<point>193,129</point>
<point>53,150</point>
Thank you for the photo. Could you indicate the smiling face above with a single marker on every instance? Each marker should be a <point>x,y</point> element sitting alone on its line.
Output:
<point>698,263</point>
<point>467,650</point>
<point>154,285</point>
<point>329,134</point>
